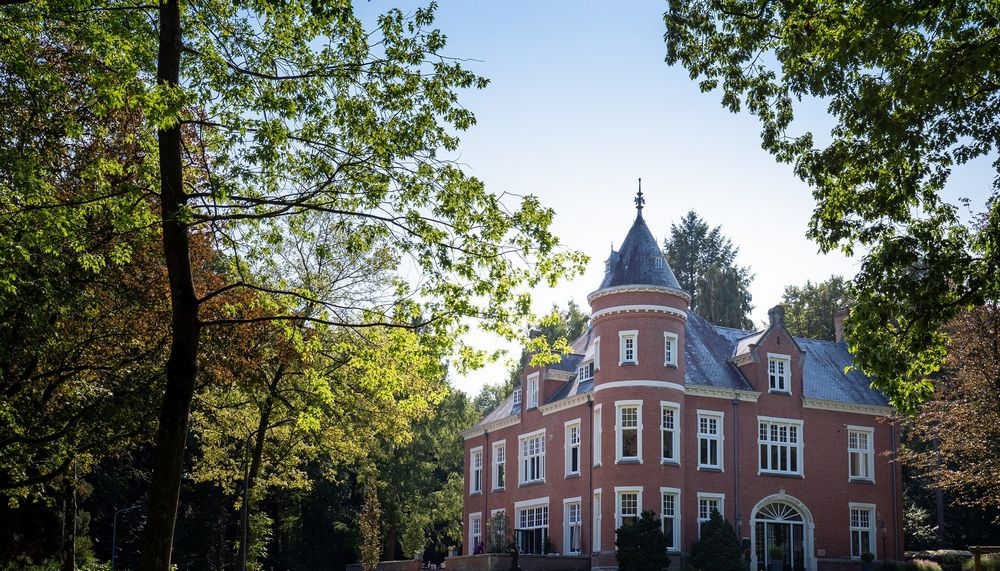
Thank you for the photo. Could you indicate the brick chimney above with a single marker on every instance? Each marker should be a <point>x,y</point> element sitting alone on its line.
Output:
<point>838,323</point>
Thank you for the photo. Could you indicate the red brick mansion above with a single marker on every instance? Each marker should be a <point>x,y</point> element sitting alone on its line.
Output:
<point>657,409</point>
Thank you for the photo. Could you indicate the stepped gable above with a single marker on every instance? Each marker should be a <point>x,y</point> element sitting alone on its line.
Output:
<point>636,262</point>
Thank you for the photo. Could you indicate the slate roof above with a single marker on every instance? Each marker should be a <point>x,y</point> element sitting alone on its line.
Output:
<point>635,263</point>
<point>708,348</point>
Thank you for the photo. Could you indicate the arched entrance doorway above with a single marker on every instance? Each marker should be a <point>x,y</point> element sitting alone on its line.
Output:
<point>782,535</point>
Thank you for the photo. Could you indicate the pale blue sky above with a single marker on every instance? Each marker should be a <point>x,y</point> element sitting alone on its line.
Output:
<point>581,105</point>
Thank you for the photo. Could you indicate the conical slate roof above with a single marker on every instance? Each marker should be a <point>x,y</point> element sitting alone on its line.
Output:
<point>639,261</point>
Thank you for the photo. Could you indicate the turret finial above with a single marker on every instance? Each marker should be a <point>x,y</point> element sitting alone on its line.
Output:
<point>639,200</point>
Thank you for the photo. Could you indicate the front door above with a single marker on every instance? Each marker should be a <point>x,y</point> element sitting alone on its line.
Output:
<point>779,538</point>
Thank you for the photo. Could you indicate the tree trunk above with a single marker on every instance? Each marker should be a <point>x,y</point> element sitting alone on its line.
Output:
<point>69,521</point>
<point>171,436</point>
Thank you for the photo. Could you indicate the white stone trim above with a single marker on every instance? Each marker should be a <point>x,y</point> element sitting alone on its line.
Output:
<point>838,406</point>
<point>638,288</point>
<point>643,308</point>
<point>640,383</point>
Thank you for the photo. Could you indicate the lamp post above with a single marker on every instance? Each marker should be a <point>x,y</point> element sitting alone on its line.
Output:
<point>114,534</point>
<point>244,520</point>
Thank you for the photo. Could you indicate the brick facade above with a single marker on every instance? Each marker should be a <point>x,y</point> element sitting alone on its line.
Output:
<point>769,428</point>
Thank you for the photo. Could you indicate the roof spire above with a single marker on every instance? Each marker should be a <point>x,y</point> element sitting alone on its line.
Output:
<point>639,200</point>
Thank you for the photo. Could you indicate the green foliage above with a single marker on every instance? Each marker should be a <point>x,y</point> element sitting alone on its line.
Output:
<point>910,95</point>
<point>641,545</point>
<point>718,548</point>
<point>703,261</point>
<point>499,533</point>
<point>954,436</point>
<point>371,536</point>
<point>809,309</point>
<point>549,341</point>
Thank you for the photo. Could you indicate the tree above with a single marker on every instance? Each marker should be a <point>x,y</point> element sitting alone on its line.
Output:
<point>703,261</point>
<point>641,544</point>
<point>718,548</point>
<point>911,93</point>
<point>809,309</point>
<point>548,341</point>
<point>266,115</point>
<point>955,435</point>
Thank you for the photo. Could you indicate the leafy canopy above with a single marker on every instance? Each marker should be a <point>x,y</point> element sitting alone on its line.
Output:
<point>912,93</point>
<point>704,261</point>
<point>810,309</point>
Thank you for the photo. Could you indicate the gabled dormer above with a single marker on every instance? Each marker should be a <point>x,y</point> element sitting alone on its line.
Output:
<point>771,360</point>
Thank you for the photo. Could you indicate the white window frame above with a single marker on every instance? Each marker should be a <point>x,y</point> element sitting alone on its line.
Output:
<point>705,502</point>
<point>585,372</point>
<point>673,513</point>
<point>539,505</point>
<point>628,353</point>
<point>855,527</point>
<point>620,428</point>
<point>597,353</point>
<point>499,468</point>
<point>475,531</point>
<point>673,432</point>
<point>706,437</point>
<point>572,519</point>
<point>574,438</point>
<point>517,396</point>
<point>598,433</point>
<point>620,493</point>
<point>670,347</point>
<point>779,439</point>
<point>596,539</point>
<point>532,459</point>
<point>779,381</point>
<point>860,459</point>
<point>476,470</point>
<point>533,388</point>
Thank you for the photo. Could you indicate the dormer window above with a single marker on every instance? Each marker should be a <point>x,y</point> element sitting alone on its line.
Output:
<point>585,372</point>
<point>533,390</point>
<point>778,373</point>
<point>658,263</point>
<point>517,397</point>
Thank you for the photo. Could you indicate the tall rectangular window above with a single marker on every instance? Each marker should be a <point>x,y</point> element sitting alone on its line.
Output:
<point>476,471</point>
<point>573,526</point>
<point>862,529</point>
<point>598,432</point>
<point>669,349</point>
<point>778,373</point>
<point>710,439</point>
<point>628,505</point>
<point>517,396</point>
<point>669,435</point>
<point>597,353</point>
<point>597,521</point>
<point>573,448</point>
<point>533,390</point>
<point>628,347</point>
<point>780,446</point>
<point>533,457</point>
<point>707,503</point>
<point>861,452</point>
<point>499,465</point>
<point>532,529</point>
<point>670,517</point>
<point>475,532</point>
<point>628,431</point>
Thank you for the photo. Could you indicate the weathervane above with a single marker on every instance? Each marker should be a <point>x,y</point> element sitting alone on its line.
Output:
<point>639,200</point>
